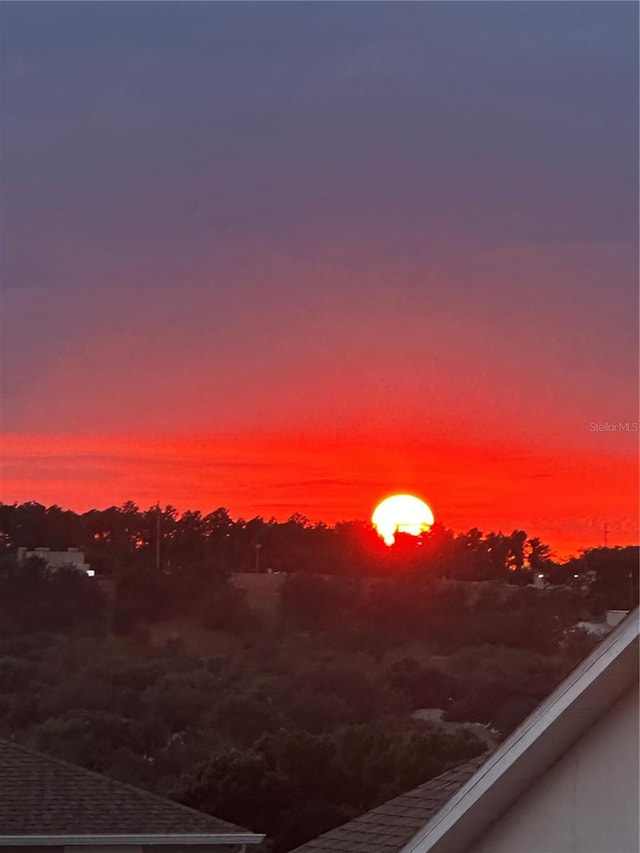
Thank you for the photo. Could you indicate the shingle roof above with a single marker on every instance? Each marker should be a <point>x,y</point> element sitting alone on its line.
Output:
<point>388,827</point>
<point>42,795</point>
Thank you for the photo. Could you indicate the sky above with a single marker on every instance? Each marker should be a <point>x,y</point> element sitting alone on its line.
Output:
<point>294,257</point>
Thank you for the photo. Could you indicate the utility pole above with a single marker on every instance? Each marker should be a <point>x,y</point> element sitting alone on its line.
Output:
<point>158,536</point>
<point>606,534</point>
<point>258,546</point>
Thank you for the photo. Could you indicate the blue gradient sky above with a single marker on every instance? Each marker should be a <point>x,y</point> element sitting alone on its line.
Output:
<point>413,220</point>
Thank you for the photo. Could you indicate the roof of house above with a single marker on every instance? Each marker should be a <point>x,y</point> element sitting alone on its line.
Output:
<point>445,814</point>
<point>388,827</point>
<point>584,696</point>
<point>41,797</point>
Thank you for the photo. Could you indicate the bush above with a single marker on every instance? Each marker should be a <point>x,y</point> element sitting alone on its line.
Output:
<point>424,686</point>
<point>14,673</point>
<point>36,598</point>
<point>245,717</point>
<point>314,603</point>
<point>226,609</point>
<point>502,685</point>
<point>86,738</point>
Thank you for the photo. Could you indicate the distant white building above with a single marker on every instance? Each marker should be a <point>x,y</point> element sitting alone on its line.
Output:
<point>56,559</point>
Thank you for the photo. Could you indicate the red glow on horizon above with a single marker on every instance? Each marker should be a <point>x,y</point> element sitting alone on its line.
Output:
<point>563,497</point>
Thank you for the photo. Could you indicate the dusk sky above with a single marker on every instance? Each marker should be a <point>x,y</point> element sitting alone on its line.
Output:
<point>288,257</point>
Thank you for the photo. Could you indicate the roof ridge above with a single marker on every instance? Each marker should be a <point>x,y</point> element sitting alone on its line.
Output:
<point>116,783</point>
<point>434,779</point>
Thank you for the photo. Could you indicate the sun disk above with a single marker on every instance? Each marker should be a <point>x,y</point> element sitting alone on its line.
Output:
<point>401,514</point>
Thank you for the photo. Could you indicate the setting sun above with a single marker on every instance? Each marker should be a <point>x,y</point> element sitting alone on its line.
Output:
<point>401,514</point>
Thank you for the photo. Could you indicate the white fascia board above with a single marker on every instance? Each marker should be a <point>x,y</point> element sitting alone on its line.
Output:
<point>137,840</point>
<point>583,696</point>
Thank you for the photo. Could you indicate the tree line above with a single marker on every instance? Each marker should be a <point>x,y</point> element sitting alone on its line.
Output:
<point>126,535</point>
<point>119,540</point>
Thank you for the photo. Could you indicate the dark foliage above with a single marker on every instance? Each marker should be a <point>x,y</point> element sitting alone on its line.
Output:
<point>35,598</point>
<point>334,777</point>
<point>291,724</point>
